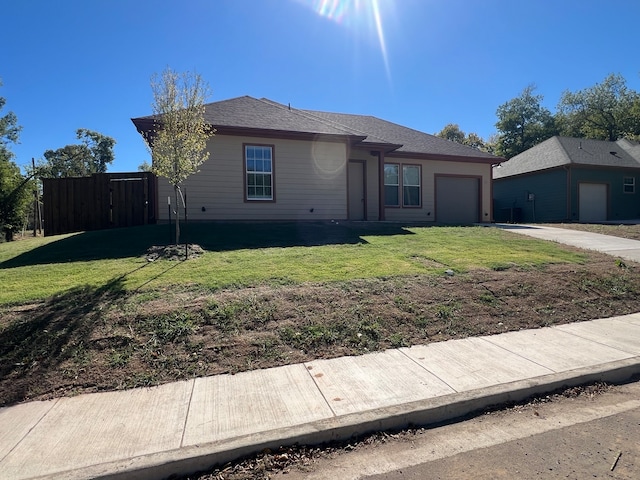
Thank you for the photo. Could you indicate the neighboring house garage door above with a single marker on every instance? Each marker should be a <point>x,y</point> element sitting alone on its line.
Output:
<point>457,199</point>
<point>592,202</point>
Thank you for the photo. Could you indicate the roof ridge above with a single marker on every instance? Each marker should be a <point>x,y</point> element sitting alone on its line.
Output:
<point>333,122</point>
<point>304,113</point>
<point>556,138</point>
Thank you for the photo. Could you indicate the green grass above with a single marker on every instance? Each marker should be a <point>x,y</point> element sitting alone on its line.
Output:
<point>250,254</point>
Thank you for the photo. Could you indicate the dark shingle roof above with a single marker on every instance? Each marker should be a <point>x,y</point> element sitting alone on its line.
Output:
<point>263,114</point>
<point>558,151</point>
<point>410,140</point>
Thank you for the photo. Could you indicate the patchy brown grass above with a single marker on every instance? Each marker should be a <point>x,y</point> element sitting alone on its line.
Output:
<point>107,338</point>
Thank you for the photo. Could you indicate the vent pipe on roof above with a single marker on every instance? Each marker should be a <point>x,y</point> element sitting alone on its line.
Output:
<point>289,105</point>
<point>580,146</point>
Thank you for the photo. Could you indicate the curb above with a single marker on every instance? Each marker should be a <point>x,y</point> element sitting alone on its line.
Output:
<point>426,412</point>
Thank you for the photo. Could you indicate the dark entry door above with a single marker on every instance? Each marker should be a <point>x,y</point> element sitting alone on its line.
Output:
<point>128,202</point>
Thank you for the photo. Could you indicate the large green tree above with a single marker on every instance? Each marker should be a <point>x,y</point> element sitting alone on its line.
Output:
<point>92,155</point>
<point>14,191</point>
<point>453,133</point>
<point>523,123</point>
<point>606,111</point>
<point>178,142</point>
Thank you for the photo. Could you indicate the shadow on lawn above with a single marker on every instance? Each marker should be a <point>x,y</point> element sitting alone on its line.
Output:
<point>134,241</point>
<point>57,330</point>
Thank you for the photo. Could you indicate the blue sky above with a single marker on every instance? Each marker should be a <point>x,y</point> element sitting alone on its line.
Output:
<point>70,64</point>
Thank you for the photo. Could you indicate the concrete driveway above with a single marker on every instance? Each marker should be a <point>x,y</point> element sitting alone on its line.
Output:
<point>615,246</point>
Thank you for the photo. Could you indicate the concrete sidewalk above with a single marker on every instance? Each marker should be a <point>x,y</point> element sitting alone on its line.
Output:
<point>189,426</point>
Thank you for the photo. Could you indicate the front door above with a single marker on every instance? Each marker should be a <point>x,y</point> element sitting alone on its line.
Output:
<point>356,193</point>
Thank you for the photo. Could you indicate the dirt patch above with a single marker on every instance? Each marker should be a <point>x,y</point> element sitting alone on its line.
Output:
<point>106,338</point>
<point>174,252</point>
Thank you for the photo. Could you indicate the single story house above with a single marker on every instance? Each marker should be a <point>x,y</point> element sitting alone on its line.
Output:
<point>270,161</point>
<point>569,180</point>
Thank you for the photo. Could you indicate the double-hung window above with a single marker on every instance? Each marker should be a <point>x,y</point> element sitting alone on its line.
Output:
<point>391,185</point>
<point>405,179</point>
<point>629,184</point>
<point>410,185</point>
<point>258,172</point>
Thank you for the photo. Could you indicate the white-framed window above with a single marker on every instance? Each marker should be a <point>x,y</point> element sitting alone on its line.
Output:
<point>402,185</point>
<point>411,186</point>
<point>391,185</point>
<point>258,165</point>
<point>629,184</point>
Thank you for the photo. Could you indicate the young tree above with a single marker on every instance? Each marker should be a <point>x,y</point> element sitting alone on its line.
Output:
<point>522,123</point>
<point>606,111</point>
<point>14,191</point>
<point>178,142</point>
<point>92,155</point>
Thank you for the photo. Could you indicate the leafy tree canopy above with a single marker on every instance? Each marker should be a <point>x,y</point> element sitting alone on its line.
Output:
<point>523,123</point>
<point>92,155</point>
<point>453,133</point>
<point>13,185</point>
<point>606,111</point>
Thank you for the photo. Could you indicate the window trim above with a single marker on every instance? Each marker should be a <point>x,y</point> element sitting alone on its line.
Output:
<point>397,186</point>
<point>632,185</point>
<point>419,185</point>
<point>401,185</point>
<point>245,173</point>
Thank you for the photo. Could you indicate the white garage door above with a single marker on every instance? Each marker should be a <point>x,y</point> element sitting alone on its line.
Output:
<point>592,202</point>
<point>457,200</point>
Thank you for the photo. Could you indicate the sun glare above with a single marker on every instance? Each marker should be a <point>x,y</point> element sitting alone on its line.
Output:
<point>358,14</point>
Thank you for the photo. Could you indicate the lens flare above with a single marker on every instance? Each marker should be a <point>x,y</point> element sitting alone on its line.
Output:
<point>355,14</point>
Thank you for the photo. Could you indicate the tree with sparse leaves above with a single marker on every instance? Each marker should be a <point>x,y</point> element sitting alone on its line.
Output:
<point>523,123</point>
<point>178,141</point>
<point>92,155</point>
<point>14,191</point>
<point>606,111</point>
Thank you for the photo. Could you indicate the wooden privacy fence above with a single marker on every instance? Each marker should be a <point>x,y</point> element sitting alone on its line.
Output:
<point>103,200</point>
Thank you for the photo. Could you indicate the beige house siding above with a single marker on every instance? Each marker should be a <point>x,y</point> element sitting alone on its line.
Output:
<point>429,169</point>
<point>308,175</point>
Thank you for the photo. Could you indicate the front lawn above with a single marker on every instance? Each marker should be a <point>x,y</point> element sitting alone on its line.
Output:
<point>244,255</point>
<point>90,312</point>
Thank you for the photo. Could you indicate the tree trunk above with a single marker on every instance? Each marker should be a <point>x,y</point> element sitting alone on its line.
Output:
<point>175,190</point>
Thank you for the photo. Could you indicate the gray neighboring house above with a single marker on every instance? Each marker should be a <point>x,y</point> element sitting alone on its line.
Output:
<point>274,162</point>
<point>569,180</point>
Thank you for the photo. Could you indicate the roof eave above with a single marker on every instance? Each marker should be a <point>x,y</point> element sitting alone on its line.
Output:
<point>449,158</point>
